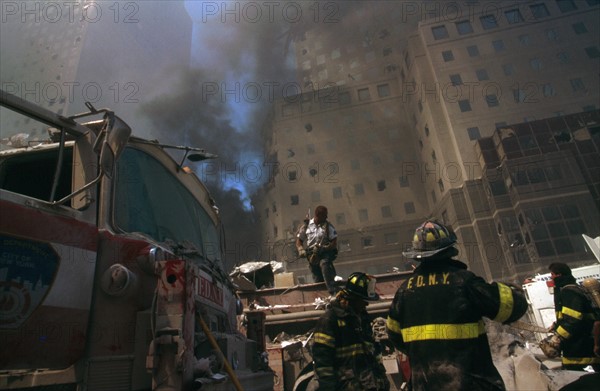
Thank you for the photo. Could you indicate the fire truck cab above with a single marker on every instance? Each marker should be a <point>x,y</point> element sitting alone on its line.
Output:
<point>111,274</point>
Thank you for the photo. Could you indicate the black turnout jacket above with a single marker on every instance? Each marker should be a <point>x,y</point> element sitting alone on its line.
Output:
<point>574,322</point>
<point>436,319</point>
<point>344,352</point>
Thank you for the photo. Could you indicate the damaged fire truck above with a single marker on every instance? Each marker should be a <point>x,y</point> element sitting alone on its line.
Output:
<point>111,273</point>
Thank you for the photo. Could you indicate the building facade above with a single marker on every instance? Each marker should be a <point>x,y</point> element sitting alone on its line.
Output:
<point>400,134</point>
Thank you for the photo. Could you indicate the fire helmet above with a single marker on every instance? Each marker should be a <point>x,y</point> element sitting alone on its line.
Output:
<point>430,239</point>
<point>362,285</point>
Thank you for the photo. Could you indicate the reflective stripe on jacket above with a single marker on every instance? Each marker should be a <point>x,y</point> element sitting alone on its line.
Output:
<point>436,319</point>
<point>575,321</point>
<point>344,352</point>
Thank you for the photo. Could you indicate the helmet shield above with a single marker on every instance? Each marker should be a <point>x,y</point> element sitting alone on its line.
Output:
<point>362,285</point>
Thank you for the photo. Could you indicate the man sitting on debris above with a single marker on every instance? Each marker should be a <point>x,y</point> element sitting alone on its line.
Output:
<point>320,238</point>
<point>572,333</point>
<point>345,355</point>
<point>436,316</point>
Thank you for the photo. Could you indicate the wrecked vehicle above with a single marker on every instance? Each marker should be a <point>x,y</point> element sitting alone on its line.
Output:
<point>111,273</point>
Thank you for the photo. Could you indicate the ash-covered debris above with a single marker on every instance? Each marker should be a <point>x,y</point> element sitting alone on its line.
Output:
<point>521,362</point>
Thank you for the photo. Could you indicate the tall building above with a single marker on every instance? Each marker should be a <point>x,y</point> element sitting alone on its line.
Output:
<point>41,48</point>
<point>393,139</point>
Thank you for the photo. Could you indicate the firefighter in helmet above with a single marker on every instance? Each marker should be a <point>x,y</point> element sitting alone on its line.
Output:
<point>436,316</point>
<point>345,354</point>
<point>572,333</point>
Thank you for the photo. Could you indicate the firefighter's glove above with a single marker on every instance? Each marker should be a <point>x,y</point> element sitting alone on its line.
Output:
<point>301,252</point>
<point>551,345</point>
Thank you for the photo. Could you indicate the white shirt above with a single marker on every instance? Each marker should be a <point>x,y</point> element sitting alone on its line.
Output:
<point>315,234</point>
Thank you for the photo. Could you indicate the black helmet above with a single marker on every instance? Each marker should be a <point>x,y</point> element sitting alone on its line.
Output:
<point>430,239</point>
<point>362,285</point>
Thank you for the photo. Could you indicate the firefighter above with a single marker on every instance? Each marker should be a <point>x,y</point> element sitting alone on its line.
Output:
<point>572,333</point>
<point>345,354</point>
<point>320,238</point>
<point>436,316</point>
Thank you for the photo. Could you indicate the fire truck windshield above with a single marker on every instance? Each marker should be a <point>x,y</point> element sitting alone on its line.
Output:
<point>150,200</point>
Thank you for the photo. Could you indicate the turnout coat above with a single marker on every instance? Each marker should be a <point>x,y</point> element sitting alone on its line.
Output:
<point>436,319</point>
<point>344,352</point>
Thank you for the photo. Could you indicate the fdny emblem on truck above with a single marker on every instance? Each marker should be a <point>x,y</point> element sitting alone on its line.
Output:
<point>27,269</point>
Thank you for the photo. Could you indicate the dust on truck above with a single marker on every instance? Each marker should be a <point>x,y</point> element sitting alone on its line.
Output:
<point>111,274</point>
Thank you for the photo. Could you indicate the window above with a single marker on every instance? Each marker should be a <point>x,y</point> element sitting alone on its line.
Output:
<point>381,185</point>
<point>337,192</point>
<point>391,238</point>
<point>344,98</point>
<point>363,215</point>
<point>488,22</point>
<point>383,90</point>
<point>563,57</point>
<point>592,51</point>
<point>566,5</point>
<point>548,90</point>
<point>292,175</point>
<point>404,181</point>
<point>464,27</point>
<point>577,85</point>
<point>519,95</point>
<point>464,105</point>
<point>364,94</point>
<point>539,11</point>
<point>441,185</point>
<point>409,207</point>
<point>386,211</point>
<point>439,32</point>
<point>513,16</point>
<point>552,34</point>
<point>359,189</point>
<point>473,51</point>
<point>295,200</point>
<point>579,28</point>
<point>367,241</point>
<point>143,185</point>
<point>508,69</point>
<point>340,218</point>
<point>473,133</point>
<point>315,196</point>
<point>447,55</point>
<point>426,131</point>
<point>498,45</point>
<point>482,75</point>
<point>491,100</point>
<point>524,40</point>
<point>433,156</point>
<point>536,64</point>
<point>456,79</point>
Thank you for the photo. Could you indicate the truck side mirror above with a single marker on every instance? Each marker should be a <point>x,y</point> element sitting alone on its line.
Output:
<point>117,134</point>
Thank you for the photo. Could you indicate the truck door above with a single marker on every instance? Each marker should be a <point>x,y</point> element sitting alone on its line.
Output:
<point>47,256</point>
